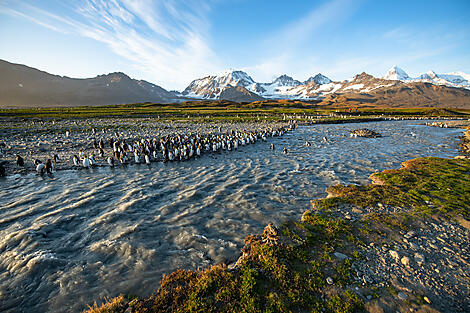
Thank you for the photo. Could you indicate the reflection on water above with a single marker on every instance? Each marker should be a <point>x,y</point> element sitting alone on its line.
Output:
<point>77,236</point>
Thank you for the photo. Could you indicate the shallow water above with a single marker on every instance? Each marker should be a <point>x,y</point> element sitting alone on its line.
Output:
<point>78,236</point>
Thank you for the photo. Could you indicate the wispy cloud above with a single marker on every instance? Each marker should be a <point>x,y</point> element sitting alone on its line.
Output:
<point>283,45</point>
<point>167,40</point>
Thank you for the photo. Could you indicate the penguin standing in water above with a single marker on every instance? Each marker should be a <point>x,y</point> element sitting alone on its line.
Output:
<point>110,161</point>
<point>48,166</point>
<point>136,157</point>
<point>285,150</point>
<point>40,167</point>
<point>272,146</point>
<point>19,160</point>
<point>147,158</point>
<point>86,162</point>
<point>76,161</point>
<point>2,170</point>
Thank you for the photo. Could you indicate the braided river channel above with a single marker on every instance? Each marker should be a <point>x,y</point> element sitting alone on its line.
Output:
<point>78,236</point>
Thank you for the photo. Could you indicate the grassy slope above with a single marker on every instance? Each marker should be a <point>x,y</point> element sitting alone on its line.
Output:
<point>285,270</point>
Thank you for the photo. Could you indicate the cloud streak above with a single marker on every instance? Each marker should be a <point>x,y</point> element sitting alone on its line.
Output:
<point>284,45</point>
<point>166,40</point>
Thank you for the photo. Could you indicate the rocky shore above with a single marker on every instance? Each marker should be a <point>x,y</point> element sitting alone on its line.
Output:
<point>399,244</point>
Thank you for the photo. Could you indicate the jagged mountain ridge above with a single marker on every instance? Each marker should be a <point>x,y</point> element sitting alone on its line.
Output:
<point>23,86</point>
<point>286,87</point>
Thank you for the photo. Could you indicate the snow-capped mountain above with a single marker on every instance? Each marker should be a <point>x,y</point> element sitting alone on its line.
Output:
<point>210,87</point>
<point>285,80</point>
<point>454,79</point>
<point>283,87</point>
<point>319,79</point>
<point>396,73</point>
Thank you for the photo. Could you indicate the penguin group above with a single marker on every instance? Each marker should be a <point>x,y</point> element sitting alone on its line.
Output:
<point>40,167</point>
<point>171,147</point>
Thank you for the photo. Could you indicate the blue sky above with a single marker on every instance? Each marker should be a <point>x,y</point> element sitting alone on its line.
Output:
<point>172,42</point>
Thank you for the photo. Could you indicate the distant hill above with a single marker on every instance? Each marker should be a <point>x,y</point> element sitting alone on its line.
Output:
<point>23,86</point>
<point>239,94</point>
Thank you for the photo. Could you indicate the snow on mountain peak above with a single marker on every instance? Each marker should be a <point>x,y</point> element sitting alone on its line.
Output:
<point>396,73</point>
<point>319,79</point>
<point>285,80</point>
<point>235,78</point>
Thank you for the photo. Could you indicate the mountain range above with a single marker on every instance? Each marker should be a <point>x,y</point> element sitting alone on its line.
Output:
<point>23,86</point>
<point>286,87</point>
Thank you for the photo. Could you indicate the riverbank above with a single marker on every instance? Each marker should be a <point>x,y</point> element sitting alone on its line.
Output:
<point>398,244</point>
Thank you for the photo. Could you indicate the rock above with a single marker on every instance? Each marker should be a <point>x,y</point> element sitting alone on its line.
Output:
<point>410,234</point>
<point>329,280</point>
<point>356,210</point>
<point>402,295</point>
<point>427,299</point>
<point>419,258</point>
<point>413,246</point>
<point>364,132</point>
<point>369,297</point>
<point>394,255</point>
<point>405,261</point>
<point>340,256</point>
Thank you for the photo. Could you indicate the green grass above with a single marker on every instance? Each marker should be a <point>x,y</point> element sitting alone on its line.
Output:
<point>219,110</point>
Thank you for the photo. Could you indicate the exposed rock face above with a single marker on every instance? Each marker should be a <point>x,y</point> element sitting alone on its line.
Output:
<point>364,132</point>
<point>23,86</point>
<point>239,94</point>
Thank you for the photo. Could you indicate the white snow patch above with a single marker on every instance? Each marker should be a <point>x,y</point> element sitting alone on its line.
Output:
<point>355,87</point>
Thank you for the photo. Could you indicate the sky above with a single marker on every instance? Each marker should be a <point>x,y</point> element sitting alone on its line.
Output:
<point>172,42</point>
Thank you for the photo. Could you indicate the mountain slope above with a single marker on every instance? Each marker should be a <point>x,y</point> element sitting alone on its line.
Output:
<point>23,86</point>
<point>239,94</point>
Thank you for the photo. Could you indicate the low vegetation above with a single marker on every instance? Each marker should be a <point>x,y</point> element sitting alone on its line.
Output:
<point>294,268</point>
<point>203,111</point>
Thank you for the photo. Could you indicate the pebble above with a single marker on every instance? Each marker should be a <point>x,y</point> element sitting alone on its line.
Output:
<point>394,255</point>
<point>419,258</point>
<point>402,295</point>
<point>405,261</point>
<point>414,246</point>
<point>340,256</point>
<point>410,234</point>
<point>427,299</point>
<point>329,280</point>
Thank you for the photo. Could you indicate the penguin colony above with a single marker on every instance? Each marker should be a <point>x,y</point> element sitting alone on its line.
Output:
<point>114,151</point>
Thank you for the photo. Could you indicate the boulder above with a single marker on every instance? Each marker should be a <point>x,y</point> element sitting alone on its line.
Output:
<point>364,132</point>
